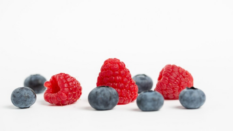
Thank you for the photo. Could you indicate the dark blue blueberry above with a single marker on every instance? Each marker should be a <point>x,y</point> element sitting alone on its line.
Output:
<point>150,101</point>
<point>23,97</point>
<point>192,98</point>
<point>143,82</point>
<point>36,83</point>
<point>103,98</point>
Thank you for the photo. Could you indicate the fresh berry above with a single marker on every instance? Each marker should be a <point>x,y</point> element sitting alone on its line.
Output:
<point>36,83</point>
<point>143,82</point>
<point>114,74</point>
<point>62,89</point>
<point>192,98</point>
<point>150,101</point>
<point>103,98</point>
<point>172,80</point>
<point>23,97</point>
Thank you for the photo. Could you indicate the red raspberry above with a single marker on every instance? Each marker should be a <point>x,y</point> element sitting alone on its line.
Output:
<point>114,74</point>
<point>172,80</point>
<point>62,89</point>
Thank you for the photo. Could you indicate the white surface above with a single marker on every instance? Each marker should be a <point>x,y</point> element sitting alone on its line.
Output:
<point>75,37</point>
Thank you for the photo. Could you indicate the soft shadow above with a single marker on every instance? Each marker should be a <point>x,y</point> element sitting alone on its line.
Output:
<point>180,107</point>
<point>89,108</point>
<point>44,103</point>
<point>13,107</point>
<point>136,110</point>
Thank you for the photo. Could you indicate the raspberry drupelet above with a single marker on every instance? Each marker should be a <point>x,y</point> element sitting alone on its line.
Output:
<point>172,80</point>
<point>114,74</point>
<point>62,89</point>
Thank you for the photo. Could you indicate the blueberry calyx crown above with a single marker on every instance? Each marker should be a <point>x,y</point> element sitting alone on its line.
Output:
<point>193,88</point>
<point>142,75</point>
<point>105,86</point>
<point>148,91</point>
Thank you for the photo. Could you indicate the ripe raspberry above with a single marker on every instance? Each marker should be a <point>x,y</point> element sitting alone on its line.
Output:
<point>62,89</point>
<point>172,80</point>
<point>114,74</point>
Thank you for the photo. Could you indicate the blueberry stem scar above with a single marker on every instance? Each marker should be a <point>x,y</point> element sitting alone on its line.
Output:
<point>191,88</point>
<point>104,86</point>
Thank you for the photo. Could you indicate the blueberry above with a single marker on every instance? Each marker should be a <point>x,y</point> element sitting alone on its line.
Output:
<point>103,98</point>
<point>23,97</point>
<point>143,82</point>
<point>36,83</point>
<point>150,101</point>
<point>192,98</point>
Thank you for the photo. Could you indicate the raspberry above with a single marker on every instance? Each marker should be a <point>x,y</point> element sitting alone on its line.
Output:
<point>114,74</point>
<point>62,89</point>
<point>172,80</point>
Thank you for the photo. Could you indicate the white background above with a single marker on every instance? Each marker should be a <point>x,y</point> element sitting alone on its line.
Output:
<point>76,36</point>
